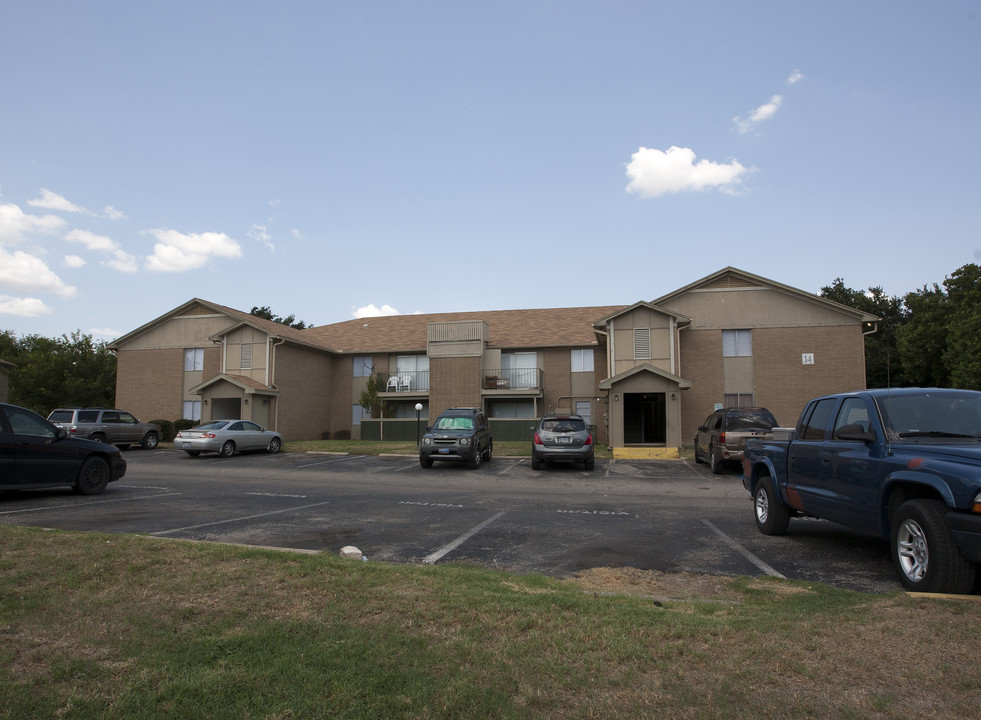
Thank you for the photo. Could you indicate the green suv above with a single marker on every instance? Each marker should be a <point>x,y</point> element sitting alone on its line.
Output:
<point>109,426</point>
<point>458,434</point>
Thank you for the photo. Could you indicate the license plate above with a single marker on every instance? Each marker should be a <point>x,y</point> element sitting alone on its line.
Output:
<point>565,441</point>
<point>187,444</point>
<point>444,452</point>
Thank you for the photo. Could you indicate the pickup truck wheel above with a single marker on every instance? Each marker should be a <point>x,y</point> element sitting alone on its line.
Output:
<point>772,517</point>
<point>926,553</point>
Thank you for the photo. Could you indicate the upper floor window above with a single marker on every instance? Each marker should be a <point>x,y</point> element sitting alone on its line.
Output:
<point>193,359</point>
<point>642,343</point>
<point>362,366</point>
<point>582,360</point>
<point>737,343</point>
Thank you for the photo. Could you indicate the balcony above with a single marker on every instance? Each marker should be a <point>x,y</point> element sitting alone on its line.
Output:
<point>407,381</point>
<point>514,379</point>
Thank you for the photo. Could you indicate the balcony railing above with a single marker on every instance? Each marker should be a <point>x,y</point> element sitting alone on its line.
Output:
<point>405,381</point>
<point>514,379</point>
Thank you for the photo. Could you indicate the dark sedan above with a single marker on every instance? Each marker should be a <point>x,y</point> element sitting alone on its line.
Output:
<point>36,454</point>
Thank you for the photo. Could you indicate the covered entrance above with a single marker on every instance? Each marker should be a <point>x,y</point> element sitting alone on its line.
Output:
<point>644,419</point>
<point>645,412</point>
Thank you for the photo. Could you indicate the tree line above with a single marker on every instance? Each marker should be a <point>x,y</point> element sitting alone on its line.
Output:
<point>930,337</point>
<point>926,338</point>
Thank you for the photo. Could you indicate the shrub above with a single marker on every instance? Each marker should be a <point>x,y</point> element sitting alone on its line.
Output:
<point>167,431</point>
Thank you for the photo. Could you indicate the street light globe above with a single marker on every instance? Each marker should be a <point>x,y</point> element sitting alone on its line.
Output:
<point>418,407</point>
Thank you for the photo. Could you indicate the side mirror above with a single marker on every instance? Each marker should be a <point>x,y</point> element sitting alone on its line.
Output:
<point>61,434</point>
<point>854,433</point>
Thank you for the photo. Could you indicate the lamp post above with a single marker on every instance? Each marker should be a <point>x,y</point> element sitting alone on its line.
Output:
<point>418,410</point>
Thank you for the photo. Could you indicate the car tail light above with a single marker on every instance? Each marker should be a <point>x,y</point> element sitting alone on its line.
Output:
<point>208,435</point>
<point>722,438</point>
<point>589,439</point>
<point>538,440</point>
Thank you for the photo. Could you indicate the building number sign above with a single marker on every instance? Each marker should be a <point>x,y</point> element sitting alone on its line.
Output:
<point>807,358</point>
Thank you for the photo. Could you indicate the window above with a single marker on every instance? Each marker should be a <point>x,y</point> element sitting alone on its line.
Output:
<point>362,366</point>
<point>193,359</point>
<point>737,343</point>
<point>191,410</point>
<point>813,428</point>
<point>582,360</point>
<point>852,412</point>
<point>358,413</point>
<point>413,371</point>
<point>584,409</point>
<point>246,363</point>
<point>642,343</point>
<point>738,400</point>
<point>520,370</point>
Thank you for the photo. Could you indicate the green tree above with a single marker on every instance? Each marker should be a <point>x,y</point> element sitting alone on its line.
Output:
<point>922,339</point>
<point>290,320</point>
<point>962,356</point>
<point>883,365</point>
<point>70,370</point>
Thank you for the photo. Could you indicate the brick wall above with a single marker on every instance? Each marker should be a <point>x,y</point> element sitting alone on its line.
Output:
<point>149,383</point>
<point>453,382</point>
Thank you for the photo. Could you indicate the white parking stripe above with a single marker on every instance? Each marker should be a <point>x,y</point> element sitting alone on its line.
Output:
<point>239,519</point>
<point>430,559</point>
<point>743,551</point>
<point>334,460</point>
<point>86,504</point>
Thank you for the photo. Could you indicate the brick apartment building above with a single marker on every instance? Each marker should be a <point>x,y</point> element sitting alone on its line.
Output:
<point>645,375</point>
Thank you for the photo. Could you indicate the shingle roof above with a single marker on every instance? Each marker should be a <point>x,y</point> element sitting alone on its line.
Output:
<point>550,327</point>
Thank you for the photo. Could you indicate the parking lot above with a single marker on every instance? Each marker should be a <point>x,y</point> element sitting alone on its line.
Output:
<point>670,516</point>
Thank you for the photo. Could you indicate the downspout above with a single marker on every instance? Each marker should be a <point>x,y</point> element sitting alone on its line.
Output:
<point>270,358</point>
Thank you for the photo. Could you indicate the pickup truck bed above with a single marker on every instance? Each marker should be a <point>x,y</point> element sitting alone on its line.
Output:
<point>903,463</point>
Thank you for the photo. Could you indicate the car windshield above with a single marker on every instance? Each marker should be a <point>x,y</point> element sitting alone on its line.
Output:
<point>454,423</point>
<point>563,425</point>
<point>751,420</point>
<point>932,415</point>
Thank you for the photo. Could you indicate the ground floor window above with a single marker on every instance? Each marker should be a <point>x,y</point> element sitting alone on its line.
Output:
<point>407,410</point>
<point>358,413</point>
<point>511,408</point>
<point>191,410</point>
<point>738,400</point>
<point>584,409</point>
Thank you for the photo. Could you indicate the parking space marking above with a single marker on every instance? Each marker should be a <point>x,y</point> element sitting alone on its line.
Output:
<point>432,558</point>
<point>271,494</point>
<point>508,468</point>
<point>332,460</point>
<point>238,519</point>
<point>87,504</point>
<point>743,551</point>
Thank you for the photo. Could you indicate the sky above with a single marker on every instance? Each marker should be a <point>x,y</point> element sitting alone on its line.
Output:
<point>335,160</point>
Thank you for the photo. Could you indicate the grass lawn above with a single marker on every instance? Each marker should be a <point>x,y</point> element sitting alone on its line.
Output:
<point>118,626</point>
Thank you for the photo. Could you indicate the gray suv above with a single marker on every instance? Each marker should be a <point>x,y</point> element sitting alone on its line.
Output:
<point>458,434</point>
<point>104,425</point>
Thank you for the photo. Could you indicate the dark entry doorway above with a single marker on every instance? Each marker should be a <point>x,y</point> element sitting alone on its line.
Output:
<point>644,419</point>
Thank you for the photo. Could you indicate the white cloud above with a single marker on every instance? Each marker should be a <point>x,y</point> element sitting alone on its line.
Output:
<point>763,112</point>
<point>23,307</point>
<point>113,214</point>
<point>53,201</point>
<point>74,261</point>
<point>178,252</point>
<point>22,272</point>
<point>91,240</point>
<point>259,234</point>
<point>120,259</point>
<point>795,77</point>
<point>15,224</point>
<point>653,172</point>
<point>373,311</point>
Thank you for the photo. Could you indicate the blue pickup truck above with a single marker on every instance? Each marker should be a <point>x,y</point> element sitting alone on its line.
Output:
<point>904,464</point>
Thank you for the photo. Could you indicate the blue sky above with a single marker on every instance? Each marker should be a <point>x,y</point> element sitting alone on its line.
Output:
<point>331,160</point>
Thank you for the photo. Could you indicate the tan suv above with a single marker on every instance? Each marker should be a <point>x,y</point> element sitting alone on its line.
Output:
<point>104,425</point>
<point>723,435</point>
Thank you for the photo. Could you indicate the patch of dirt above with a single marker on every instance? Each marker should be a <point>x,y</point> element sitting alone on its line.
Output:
<point>655,584</point>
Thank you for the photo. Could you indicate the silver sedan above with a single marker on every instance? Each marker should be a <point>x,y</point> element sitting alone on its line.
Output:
<point>226,437</point>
